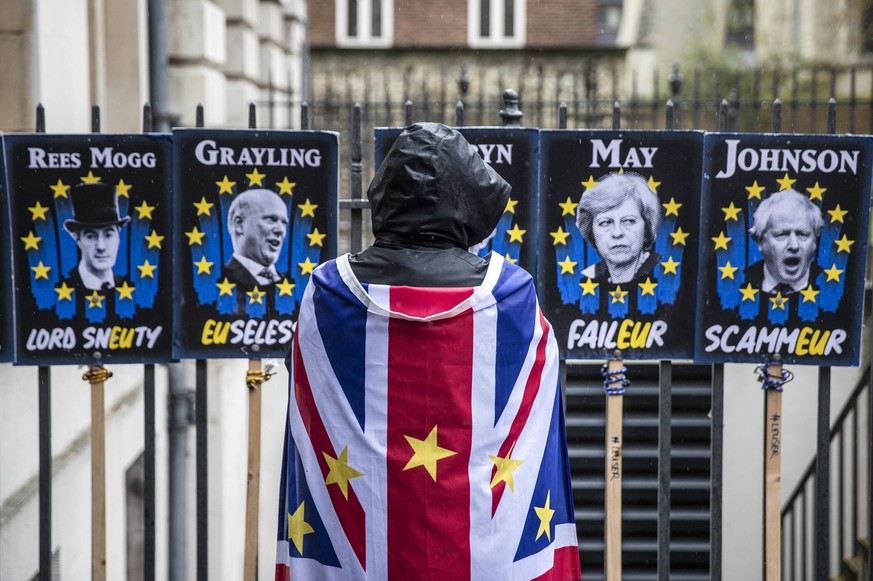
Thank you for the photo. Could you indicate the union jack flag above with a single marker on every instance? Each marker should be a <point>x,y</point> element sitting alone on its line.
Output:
<point>425,434</point>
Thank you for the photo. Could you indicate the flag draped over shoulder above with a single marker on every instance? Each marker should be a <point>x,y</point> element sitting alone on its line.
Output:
<point>425,435</point>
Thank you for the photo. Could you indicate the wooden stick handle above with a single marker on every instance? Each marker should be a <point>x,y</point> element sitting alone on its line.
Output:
<point>97,376</point>
<point>614,443</point>
<point>773,480</point>
<point>250,558</point>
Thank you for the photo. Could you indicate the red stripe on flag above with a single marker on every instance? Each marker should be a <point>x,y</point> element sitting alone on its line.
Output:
<point>283,573</point>
<point>565,566</point>
<point>350,512</point>
<point>430,367</point>
<point>531,389</point>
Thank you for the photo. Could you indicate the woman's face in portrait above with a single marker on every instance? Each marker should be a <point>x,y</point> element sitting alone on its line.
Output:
<point>619,233</point>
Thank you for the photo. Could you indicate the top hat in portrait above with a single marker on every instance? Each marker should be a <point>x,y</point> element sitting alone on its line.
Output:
<point>95,205</point>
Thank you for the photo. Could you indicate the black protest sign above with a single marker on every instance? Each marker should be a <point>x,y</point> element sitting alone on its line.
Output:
<point>619,215</point>
<point>256,212</point>
<point>6,310</point>
<point>783,248</point>
<point>513,153</point>
<point>91,247</point>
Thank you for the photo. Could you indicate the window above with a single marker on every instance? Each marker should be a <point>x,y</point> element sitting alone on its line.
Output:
<point>496,23</point>
<point>741,24</point>
<point>364,23</point>
<point>608,21</point>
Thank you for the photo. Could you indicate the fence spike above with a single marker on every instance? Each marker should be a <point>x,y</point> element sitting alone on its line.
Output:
<point>199,122</point>
<point>95,118</point>
<point>459,114</point>
<point>832,115</point>
<point>253,117</point>
<point>510,114</point>
<point>616,115</point>
<point>776,125</point>
<point>407,111</point>
<point>147,117</point>
<point>304,115</point>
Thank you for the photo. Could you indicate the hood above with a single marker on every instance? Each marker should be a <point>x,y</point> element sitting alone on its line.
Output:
<point>434,187</point>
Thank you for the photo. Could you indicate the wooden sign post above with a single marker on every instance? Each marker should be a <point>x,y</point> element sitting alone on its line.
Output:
<point>255,377</point>
<point>97,376</point>
<point>614,384</point>
<point>773,376</point>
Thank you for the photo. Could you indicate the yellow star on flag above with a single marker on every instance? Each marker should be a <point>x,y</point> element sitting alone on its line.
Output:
<point>195,236</point>
<point>145,211</point>
<point>285,287</point>
<point>618,295</point>
<point>123,189</point>
<point>510,259</point>
<point>298,528</point>
<point>90,178</point>
<point>816,191</point>
<point>125,291</point>
<point>589,183</point>
<point>749,292</point>
<point>225,287</point>
<point>731,212</point>
<point>515,233</point>
<point>843,244</point>
<point>721,241</point>
<point>567,265</point>
<point>95,300</point>
<point>307,208</point>
<point>256,178</point>
<point>809,294</point>
<point>670,266</point>
<point>340,472</point>
<point>837,214</point>
<point>833,273</point>
<point>510,206</point>
<point>559,236</point>
<point>755,190</point>
<point>727,271</point>
<point>40,271</point>
<point>60,189</point>
<point>679,237</point>
<point>31,241</point>
<point>653,185</point>
<point>225,186</point>
<point>65,293</point>
<point>256,295</point>
<point>427,453</point>
<point>315,238</point>
<point>203,207</point>
<point>505,468</point>
<point>153,239</point>
<point>588,287</point>
<point>545,514</point>
<point>307,266</point>
<point>785,182</point>
<point>37,212</point>
<point>672,207</point>
<point>147,270</point>
<point>648,287</point>
<point>568,208</point>
<point>285,186</point>
<point>204,266</point>
<point>778,302</point>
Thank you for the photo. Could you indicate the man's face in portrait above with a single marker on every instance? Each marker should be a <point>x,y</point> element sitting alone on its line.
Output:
<point>788,245</point>
<point>99,247</point>
<point>619,233</point>
<point>262,232</point>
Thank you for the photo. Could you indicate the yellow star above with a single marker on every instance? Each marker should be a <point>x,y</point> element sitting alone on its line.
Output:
<point>672,207</point>
<point>203,207</point>
<point>204,266</point>
<point>307,266</point>
<point>785,182</point>
<point>505,468</point>
<point>618,295</point>
<point>653,185</point>
<point>755,190</point>
<point>515,233</point>
<point>560,237</point>
<point>749,292</point>
<point>588,287</point>
<point>778,302</point>
<point>510,259</point>
<point>37,212</point>
<point>567,265</point>
<point>95,301</point>
<point>123,189</point>
<point>90,178</point>
<point>545,514</point>
<point>225,287</point>
<point>125,291</point>
<point>153,239</point>
<point>833,273</point>
<point>727,271</point>
<point>809,294</point>
<point>195,236</point>
<point>731,212</point>
<point>31,241</point>
<point>256,178</point>
<point>340,472</point>
<point>285,287</point>
<point>721,241</point>
<point>427,453</point>
<point>589,183</point>
<point>256,295</point>
<point>678,237</point>
<point>510,206</point>
<point>40,271</point>
<point>307,208</point>
<point>145,211</point>
<point>648,287</point>
<point>225,186</point>
<point>843,244</point>
<point>285,186</point>
<point>670,266</point>
<point>298,528</point>
<point>65,293</point>
<point>60,189</point>
<point>147,270</point>
<point>837,214</point>
<point>568,208</point>
<point>315,238</point>
<point>815,192</point>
